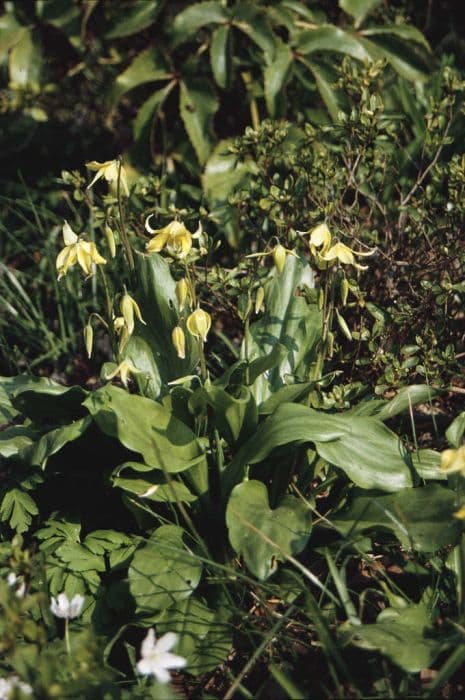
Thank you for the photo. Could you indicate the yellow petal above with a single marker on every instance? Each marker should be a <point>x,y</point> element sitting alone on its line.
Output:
<point>179,342</point>
<point>97,259</point>
<point>69,237</point>
<point>158,242</point>
<point>279,257</point>
<point>182,290</point>
<point>199,323</point>
<point>321,236</point>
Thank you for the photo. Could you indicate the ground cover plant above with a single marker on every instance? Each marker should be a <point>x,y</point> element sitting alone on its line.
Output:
<point>231,437</point>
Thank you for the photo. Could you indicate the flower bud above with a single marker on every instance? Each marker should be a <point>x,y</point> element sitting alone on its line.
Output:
<point>182,291</point>
<point>179,341</point>
<point>128,307</point>
<point>88,338</point>
<point>199,323</point>
<point>344,290</point>
<point>279,257</point>
<point>109,235</point>
<point>259,300</point>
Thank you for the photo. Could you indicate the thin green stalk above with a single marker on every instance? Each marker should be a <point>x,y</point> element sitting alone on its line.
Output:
<point>67,642</point>
<point>122,223</point>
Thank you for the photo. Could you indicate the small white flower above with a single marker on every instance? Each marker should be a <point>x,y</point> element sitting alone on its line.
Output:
<point>156,659</point>
<point>17,583</point>
<point>62,607</point>
<point>8,685</point>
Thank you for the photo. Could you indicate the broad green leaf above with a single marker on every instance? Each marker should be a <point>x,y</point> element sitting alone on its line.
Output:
<point>276,75</point>
<point>18,508</point>
<point>406,637</point>
<point>292,393</point>
<point>26,61</point>
<point>15,439</point>
<point>409,58</point>
<point>197,15</point>
<point>370,454</point>
<point>427,464</point>
<point>405,398</point>
<point>144,426</point>
<point>147,67</point>
<point>53,441</point>
<point>221,56</point>
<point>331,38</point>
<point>148,112</point>
<point>164,570</point>
<point>198,104</point>
<point>133,17</point>
<point>43,400</point>
<point>264,536</point>
<point>11,32</point>
<point>141,480</point>
<point>408,32</point>
<point>358,9</point>
<point>288,321</point>
<point>421,518</point>
<point>205,635</point>
<point>456,429</point>
<point>251,20</point>
<point>236,416</point>
<point>325,78</point>
<point>150,347</point>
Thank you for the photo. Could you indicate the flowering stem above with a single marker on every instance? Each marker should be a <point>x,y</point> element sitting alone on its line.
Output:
<point>109,306</point>
<point>67,643</point>
<point>122,225</point>
<point>203,364</point>
<point>246,349</point>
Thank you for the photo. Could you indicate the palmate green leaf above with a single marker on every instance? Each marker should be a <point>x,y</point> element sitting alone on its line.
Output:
<point>252,21</point>
<point>18,508</point>
<point>164,570</point>
<point>288,321</point>
<point>197,15</point>
<point>264,536</point>
<point>26,60</point>
<point>421,518</point>
<point>78,558</point>
<point>276,75</point>
<point>331,38</point>
<point>406,636</point>
<point>148,66</point>
<point>359,9</point>
<point>150,348</point>
<point>132,17</point>
<point>204,635</point>
<point>221,56</point>
<point>197,105</point>
<point>141,480</point>
<point>370,454</point>
<point>144,426</point>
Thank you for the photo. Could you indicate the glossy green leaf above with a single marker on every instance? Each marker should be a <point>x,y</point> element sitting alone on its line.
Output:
<point>359,9</point>
<point>456,429</point>
<point>406,398</point>
<point>45,401</point>
<point>370,454</point>
<point>421,518</point>
<point>407,32</point>
<point>148,112</point>
<point>408,57</point>
<point>164,570</point>
<point>141,480</point>
<point>197,15</point>
<point>250,19</point>
<point>7,410</point>
<point>221,56</point>
<point>331,38</point>
<point>132,17</point>
<point>205,636</point>
<point>26,60</point>
<point>148,66</point>
<point>264,536</point>
<point>15,439</point>
<point>406,637</point>
<point>144,426</point>
<point>150,347</point>
<point>276,75</point>
<point>236,416</point>
<point>198,104</point>
<point>289,321</point>
<point>325,78</point>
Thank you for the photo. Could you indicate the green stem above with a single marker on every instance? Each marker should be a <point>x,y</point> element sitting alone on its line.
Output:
<point>109,305</point>
<point>122,224</point>
<point>203,364</point>
<point>67,642</point>
<point>246,349</point>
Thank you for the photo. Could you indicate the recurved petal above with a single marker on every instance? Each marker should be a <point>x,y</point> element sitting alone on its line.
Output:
<point>69,236</point>
<point>158,242</point>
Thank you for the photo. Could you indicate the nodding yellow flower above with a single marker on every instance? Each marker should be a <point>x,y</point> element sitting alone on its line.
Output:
<point>110,236</point>
<point>453,461</point>
<point>119,324</point>
<point>123,370</point>
<point>345,255</point>
<point>199,323</point>
<point>260,300</point>
<point>320,236</point>
<point>182,292</point>
<point>279,254</point>
<point>108,170</point>
<point>128,307</point>
<point>179,341</point>
<point>76,250</point>
<point>174,237</point>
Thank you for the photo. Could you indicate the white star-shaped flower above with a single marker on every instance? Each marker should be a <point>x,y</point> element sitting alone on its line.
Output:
<point>156,659</point>
<point>61,606</point>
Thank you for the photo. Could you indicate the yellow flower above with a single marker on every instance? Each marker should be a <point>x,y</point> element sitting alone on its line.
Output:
<point>121,329</point>
<point>279,254</point>
<point>124,369</point>
<point>174,237</point>
<point>179,341</point>
<point>128,307</point>
<point>108,170</point>
<point>453,461</point>
<point>320,236</point>
<point>460,514</point>
<point>199,323</point>
<point>345,255</point>
<point>182,292</point>
<point>84,253</point>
